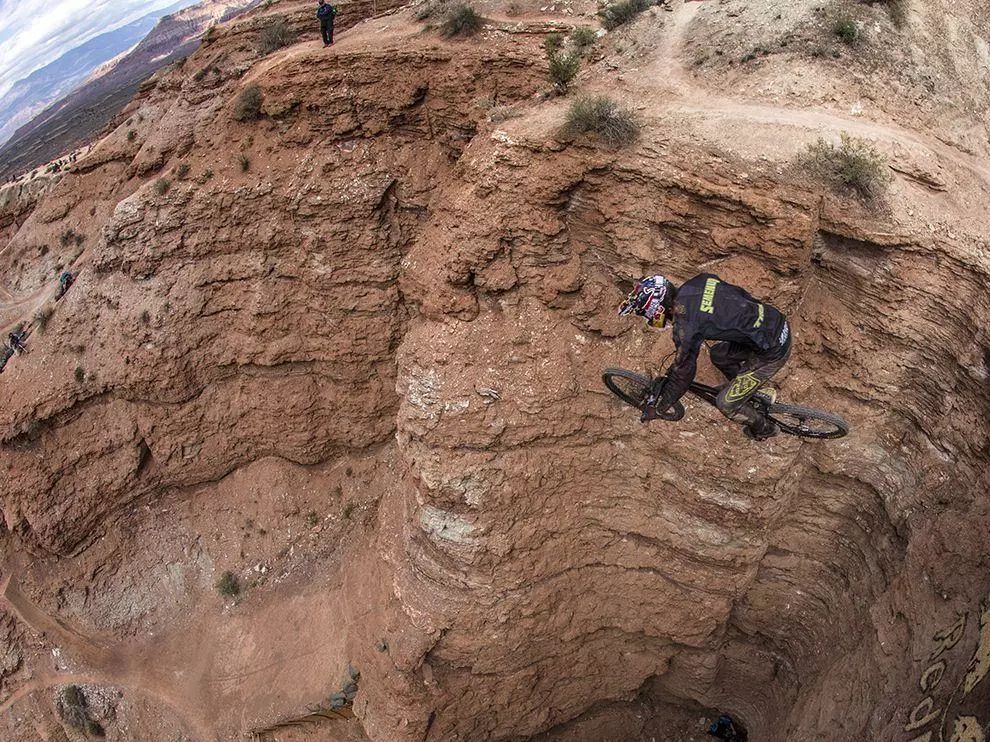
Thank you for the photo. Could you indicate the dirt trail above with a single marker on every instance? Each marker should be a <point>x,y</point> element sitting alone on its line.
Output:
<point>106,662</point>
<point>669,74</point>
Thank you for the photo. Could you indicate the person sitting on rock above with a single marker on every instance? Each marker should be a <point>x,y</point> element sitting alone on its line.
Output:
<point>724,728</point>
<point>754,342</point>
<point>16,342</point>
<point>326,13</point>
<point>64,281</point>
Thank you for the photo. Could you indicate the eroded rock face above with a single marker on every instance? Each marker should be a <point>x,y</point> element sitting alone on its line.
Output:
<point>394,278</point>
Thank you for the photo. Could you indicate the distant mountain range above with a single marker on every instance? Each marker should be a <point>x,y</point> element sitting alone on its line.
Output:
<point>31,95</point>
<point>84,111</point>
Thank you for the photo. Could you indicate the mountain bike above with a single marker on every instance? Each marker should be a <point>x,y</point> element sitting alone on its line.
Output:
<point>804,422</point>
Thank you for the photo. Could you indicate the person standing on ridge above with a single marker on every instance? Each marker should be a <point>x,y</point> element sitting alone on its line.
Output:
<point>754,342</point>
<point>326,13</point>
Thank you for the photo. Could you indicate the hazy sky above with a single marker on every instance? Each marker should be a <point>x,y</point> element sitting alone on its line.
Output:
<point>36,32</point>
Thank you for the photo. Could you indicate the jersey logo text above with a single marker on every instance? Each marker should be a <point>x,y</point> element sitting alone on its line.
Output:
<point>708,297</point>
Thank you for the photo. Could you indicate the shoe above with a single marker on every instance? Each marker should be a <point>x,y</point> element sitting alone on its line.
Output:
<point>768,392</point>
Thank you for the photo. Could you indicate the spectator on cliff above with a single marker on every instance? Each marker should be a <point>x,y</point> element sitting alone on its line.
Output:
<point>725,728</point>
<point>16,341</point>
<point>64,281</point>
<point>326,13</point>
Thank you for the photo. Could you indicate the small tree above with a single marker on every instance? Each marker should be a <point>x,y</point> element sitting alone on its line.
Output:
<point>247,107</point>
<point>563,69</point>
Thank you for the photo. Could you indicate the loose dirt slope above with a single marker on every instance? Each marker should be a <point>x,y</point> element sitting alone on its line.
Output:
<point>350,352</point>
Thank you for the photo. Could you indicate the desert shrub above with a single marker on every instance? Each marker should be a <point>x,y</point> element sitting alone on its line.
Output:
<point>583,37</point>
<point>349,510</point>
<point>69,236</point>
<point>131,135</point>
<point>182,171</point>
<point>432,9</point>
<point>42,316</point>
<point>602,117</point>
<point>563,68</point>
<point>207,174</point>
<point>145,316</point>
<point>312,518</point>
<point>622,12</point>
<point>552,43</point>
<point>161,186</point>
<point>210,36</point>
<point>80,374</point>
<point>228,586</point>
<point>846,29</point>
<point>73,711</point>
<point>247,107</point>
<point>275,36</point>
<point>461,20</point>
<point>498,114</point>
<point>244,162</point>
<point>852,165</point>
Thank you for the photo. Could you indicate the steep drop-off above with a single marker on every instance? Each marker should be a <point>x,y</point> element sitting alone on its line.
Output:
<point>351,353</point>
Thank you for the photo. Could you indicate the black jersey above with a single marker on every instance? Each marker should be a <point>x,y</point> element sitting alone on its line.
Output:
<point>708,308</point>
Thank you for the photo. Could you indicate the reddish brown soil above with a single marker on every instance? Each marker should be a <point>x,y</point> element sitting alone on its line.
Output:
<point>363,375</point>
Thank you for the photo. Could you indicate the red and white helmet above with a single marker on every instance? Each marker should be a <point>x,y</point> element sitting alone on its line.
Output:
<point>651,299</point>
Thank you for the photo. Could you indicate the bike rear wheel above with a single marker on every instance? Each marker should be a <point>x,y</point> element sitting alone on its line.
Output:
<point>633,389</point>
<point>807,422</point>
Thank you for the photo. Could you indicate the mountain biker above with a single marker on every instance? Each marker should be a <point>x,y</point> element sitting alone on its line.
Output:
<point>754,342</point>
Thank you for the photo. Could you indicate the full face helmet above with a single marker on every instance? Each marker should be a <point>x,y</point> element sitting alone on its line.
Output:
<point>651,299</point>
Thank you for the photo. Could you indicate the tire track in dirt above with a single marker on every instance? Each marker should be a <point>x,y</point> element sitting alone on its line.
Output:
<point>669,74</point>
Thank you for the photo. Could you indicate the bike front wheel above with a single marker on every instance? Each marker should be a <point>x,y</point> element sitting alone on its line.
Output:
<point>807,422</point>
<point>633,389</point>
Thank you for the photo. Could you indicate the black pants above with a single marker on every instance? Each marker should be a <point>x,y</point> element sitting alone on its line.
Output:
<point>747,370</point>
<point>326,28</point>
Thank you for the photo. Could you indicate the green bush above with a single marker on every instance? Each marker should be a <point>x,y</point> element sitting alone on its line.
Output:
<point>852,165</point>
<point>275,36</point>
<point>583,37</point>
<point>131,135</point>
<point>182,171</point>
<point>207,174</point>
<point>552,43</point>
<point>461,20</point>
<point>244,162</point>
<point>247,107</point>
<point>622,12</point>
<point>563,69</point>
<point>602,117</point>
<point>161,186</point>
<point>80,374</point>
<point>73,710</point>
<point>228,586</point>
<point>846,29</point>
